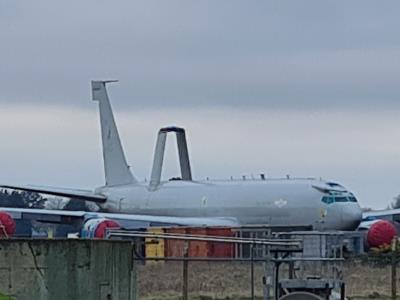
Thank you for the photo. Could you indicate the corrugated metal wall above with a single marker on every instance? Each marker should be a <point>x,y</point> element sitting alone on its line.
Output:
<point>175,248</point>
<point>67,269</point>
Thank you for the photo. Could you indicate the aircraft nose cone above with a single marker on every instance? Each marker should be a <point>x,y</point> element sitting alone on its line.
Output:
<point>351,217</point>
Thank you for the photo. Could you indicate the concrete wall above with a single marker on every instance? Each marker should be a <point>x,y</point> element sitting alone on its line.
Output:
<point>67,269</point>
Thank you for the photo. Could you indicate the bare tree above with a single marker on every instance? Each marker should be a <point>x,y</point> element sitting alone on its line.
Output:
<point>396,202</point>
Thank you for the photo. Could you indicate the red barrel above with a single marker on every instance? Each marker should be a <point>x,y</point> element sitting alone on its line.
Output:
<point>7,225</point>
<point>381,233</point>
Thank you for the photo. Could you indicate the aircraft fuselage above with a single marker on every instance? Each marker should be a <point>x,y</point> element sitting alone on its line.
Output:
<point>274,202</point>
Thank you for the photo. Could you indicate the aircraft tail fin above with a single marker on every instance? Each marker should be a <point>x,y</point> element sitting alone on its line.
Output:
<point>116,169</point>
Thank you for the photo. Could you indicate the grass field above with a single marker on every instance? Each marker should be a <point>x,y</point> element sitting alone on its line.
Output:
<point>4,297</point>
<point>217,281</point>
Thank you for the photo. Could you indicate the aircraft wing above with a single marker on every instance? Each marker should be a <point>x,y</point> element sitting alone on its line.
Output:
<point>86,195</point>
<point>381,213</point>
<point>181,221</point>
<point>371,217</point>
<point>365,225</point>
<point>58,216</point>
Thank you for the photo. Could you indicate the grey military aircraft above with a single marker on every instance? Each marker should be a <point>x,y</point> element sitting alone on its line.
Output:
<point>183,201</point>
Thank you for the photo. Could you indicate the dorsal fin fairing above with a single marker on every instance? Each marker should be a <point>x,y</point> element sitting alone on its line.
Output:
<point>115,166</point>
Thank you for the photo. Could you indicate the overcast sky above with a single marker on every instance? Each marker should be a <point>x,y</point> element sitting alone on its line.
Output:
<point>307,88</point>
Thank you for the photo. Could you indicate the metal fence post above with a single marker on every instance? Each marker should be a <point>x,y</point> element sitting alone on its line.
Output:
<point>185,271</point>
<point>252,271</point>
<point>394,271</point>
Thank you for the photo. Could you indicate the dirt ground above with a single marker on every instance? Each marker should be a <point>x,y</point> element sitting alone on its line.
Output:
<point>216,280</point>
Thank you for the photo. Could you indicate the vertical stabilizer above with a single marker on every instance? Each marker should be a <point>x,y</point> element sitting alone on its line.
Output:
<point>115,166</point>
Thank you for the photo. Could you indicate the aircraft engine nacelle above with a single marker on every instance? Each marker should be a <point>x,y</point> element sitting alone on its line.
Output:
<point>7,225</point>
<point>96,228</point>
<point>381,233</point>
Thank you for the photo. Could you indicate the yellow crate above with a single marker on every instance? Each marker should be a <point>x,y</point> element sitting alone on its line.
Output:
<point>155,247</point>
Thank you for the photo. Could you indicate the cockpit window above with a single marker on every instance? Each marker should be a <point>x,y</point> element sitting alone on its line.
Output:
<point>328,200</point>
<point>333,199</point>
<point>341,199</point>
<point>352,199</point>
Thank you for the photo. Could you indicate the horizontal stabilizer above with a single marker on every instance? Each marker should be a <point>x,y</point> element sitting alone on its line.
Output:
<point>85,195</point>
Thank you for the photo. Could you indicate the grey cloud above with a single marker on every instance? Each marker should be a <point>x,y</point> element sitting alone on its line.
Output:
<point>280,54</point>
